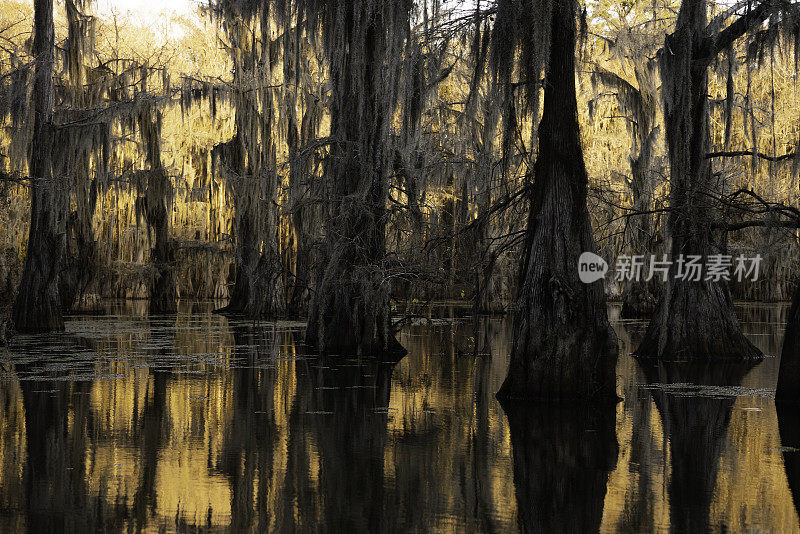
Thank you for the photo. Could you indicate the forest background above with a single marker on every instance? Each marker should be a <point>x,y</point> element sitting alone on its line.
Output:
<point>136,96</point>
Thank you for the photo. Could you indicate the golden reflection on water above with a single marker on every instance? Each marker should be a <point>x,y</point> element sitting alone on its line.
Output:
<point>195,422</point>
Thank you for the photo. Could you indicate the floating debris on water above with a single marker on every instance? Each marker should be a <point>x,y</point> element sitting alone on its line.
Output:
<point>683,389</point>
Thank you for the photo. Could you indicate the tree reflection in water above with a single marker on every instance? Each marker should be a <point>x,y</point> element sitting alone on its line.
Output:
<point>197,423</point>
<point>563,455</point>
<point>789,428</point>
<point>695,403</point>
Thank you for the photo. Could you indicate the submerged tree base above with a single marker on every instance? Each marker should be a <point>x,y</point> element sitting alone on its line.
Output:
<point>258,292</point>
<point>696,321</point>
<point>340,338</point>
<point>579,367</point>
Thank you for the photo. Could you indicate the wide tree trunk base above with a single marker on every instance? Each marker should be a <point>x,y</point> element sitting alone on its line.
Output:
<point>350,314</point>
<point>577,367</point>
<point>164,293</point>
<point>38,306</point>
<point>258,295</point>
<point>696,321</point>
<point>388,349</point>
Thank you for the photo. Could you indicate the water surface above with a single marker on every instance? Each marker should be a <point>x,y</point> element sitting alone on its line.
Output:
<point>199,423</point>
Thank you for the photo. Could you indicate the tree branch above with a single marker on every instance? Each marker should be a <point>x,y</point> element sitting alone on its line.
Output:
<point>732,227</point>
<point>737,153</point>
<point>714,44</point>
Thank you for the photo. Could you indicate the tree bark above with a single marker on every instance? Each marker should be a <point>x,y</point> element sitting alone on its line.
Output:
<point>563,345</point>
<point>298,257</point>
<point>258,288</point>
<point>81,261</point>
<point>694,319</point>
<point>157,200</point>
<point>247,253</point>
<point>349,311</point>
<point>639,298</point>
<point>487,299</point>
<point>38,304</point>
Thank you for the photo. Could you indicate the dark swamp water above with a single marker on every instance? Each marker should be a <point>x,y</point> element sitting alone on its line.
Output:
<point>197,423</point>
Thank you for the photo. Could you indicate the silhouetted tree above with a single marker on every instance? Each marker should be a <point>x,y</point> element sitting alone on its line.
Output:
<point>563,346</point>
<point>38,304</point>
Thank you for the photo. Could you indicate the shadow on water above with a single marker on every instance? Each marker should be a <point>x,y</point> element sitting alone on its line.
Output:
<point>695,402</point>
<point>151,430</point>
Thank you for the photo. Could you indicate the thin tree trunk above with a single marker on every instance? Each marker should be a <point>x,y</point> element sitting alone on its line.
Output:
<point>78,278</point>
<point>258,289</point>
<point>640,296</point>
<point>243,296</point>
<point>38,304</point>
<point>299,264</point>
<point>694,319</point>
<point>563,346</point>
<point>486,298</point>
<point>163,288</point>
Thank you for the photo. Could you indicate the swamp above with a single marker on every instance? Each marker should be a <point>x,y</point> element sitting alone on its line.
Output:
<point>399,266</point>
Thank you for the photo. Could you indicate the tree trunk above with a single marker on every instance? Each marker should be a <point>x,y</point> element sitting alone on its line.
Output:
<point>487,299</point>
<point>563,345</point>
<point>38,304</point>
<point>693,320</point>
<point>299,255</point>
<point>349,311</point>
<point>788,390</point>
<point>247,253</point>
<point>157,201</point>
<point>81,261</point>
<point>163,288</point>
<point>639,299</point>
<point>258,289</point>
